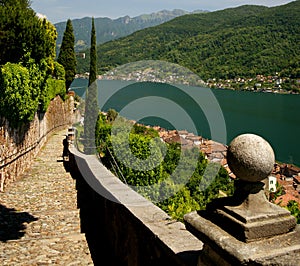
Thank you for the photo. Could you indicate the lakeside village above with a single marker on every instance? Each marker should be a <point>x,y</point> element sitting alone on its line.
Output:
<point>261,83</point>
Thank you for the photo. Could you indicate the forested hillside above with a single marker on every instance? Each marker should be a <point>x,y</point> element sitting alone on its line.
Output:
<point>111,29</point>
<point>242,41</point>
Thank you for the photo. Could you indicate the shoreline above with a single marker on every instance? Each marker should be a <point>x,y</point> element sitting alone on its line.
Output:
<point>212,84</point>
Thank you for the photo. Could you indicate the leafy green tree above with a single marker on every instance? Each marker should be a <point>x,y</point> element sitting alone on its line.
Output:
<point>67,56</point>
<point>91,107</point>
<point>293,207</point>
<point>29,75</point>
<point>22,32</point>
<point>180,204</point>
<point>18,98</point>
<point>112,115</point>
<point>182,195</point>
<point>103,132</point>
<point>24,3</point>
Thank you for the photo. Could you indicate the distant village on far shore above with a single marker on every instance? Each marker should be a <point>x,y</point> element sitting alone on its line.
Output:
<point>261,83</point>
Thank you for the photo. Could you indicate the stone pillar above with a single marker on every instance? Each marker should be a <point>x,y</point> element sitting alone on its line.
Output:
<point>246,229</point>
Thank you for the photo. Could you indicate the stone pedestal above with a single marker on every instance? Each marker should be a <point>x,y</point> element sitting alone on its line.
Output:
<point>222,248</point>
<point>246,229</point>
<point>248,216</point>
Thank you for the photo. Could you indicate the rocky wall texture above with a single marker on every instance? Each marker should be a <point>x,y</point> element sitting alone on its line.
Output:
<point>121,227</point>
<point>19,146</point>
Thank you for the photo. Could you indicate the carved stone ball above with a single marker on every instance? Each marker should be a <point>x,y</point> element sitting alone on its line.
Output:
<point>250,157</point>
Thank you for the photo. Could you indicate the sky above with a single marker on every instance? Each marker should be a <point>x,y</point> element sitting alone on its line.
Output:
<point>62,10</point>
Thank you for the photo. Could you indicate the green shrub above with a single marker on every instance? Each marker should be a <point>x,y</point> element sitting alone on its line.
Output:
<point>52,88</point>
<point>59,71</point>
<point>166,182</point>
<point>19,97</point>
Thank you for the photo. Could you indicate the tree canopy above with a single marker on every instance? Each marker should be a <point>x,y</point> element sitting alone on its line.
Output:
<point>162,179</point>
<point>29,75</point>
<point>22,32</point>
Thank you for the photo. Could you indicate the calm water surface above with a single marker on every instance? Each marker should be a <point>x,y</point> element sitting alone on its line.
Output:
<point>217,114</point>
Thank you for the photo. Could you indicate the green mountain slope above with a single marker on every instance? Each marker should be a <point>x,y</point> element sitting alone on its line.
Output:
<point>109,29</point>
<point>242,41</point>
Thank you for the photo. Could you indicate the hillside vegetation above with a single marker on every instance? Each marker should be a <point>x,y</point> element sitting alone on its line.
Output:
<point>243,41</point>
<point>177,180</point>
<point>110,29</point>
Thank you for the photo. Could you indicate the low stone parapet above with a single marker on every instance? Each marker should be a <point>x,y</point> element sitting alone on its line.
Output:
<point>122,226</point>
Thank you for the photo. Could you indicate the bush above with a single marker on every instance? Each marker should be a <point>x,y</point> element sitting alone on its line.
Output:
<point>18,98</point>
<point>167,182</point>
<point>59,71</point>
<point>53,88</point>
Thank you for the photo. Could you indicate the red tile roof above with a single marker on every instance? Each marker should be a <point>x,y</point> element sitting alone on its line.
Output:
<point>283,200</point>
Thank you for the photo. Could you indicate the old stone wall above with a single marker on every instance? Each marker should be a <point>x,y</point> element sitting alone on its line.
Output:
<point>19,146</point>
<point>121,226</point>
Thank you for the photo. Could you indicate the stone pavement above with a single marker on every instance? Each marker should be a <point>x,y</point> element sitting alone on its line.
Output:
<point>39,217</point>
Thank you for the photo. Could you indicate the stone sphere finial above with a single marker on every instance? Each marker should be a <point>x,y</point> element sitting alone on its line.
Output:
<point>250,157</point>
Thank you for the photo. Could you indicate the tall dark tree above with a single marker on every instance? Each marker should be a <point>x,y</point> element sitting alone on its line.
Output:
<point>91,106</point>
<point>93,55</point>
<point>67,56</point>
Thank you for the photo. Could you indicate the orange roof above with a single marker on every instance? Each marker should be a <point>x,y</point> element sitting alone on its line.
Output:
<point>297,179</point>
<point>294,168</point>
<point>283,200</point>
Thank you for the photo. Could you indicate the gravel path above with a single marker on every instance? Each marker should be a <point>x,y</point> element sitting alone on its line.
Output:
<point>39,218</point>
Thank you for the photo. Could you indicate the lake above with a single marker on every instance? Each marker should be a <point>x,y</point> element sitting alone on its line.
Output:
<point>215,114</point>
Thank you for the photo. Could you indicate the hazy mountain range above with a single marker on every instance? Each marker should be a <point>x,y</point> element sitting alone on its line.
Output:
<point>110,29</point>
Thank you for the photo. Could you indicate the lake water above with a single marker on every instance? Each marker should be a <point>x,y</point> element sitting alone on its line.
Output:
<point>214,114</point>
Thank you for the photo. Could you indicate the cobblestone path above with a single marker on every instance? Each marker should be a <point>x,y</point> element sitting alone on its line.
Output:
<point>39,218</point>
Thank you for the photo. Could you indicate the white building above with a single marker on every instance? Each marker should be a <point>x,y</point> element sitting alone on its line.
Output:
<point>271,184</point>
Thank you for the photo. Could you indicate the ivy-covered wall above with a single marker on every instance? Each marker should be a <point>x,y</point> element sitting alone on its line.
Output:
<point>19,146</point>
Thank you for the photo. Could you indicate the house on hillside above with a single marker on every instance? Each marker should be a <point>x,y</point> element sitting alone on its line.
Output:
<point>296,183</point>
<point>283,200</point>
<point>289,170</point>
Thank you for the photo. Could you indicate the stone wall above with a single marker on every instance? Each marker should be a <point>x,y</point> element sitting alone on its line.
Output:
<point>18,147</point>
<point>121,226</point>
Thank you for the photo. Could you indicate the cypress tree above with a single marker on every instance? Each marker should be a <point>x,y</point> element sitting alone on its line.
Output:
<point>93,55</point>
<point>66,55</point>
<point>91,105</point>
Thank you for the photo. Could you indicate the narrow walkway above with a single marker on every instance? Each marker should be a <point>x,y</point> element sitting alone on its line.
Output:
<point>39,218</point>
